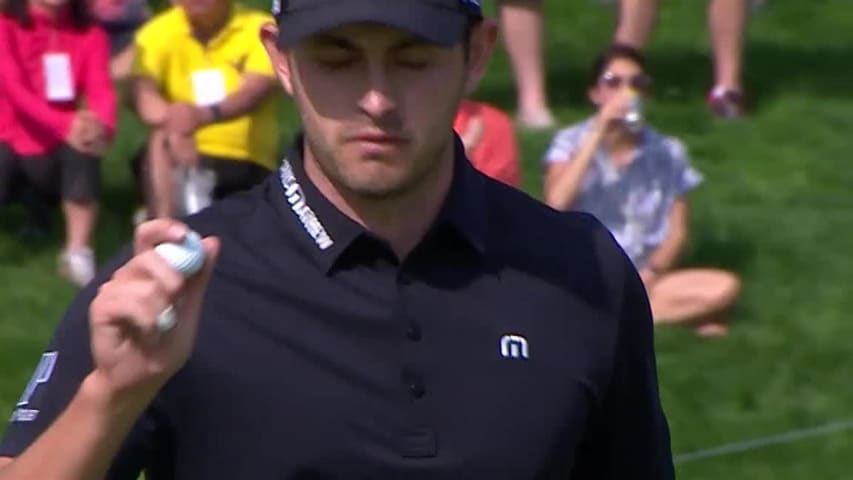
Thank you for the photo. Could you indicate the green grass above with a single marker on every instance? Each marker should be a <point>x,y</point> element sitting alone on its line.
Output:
<point>776,207</point>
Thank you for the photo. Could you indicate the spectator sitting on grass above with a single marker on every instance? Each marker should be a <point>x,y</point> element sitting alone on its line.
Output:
<point>489,138</point>
<point>203,83</point>
<point>635,182</point>
<point>54,59</point>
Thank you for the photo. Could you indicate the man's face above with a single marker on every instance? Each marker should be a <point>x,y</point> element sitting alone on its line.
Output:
<point>202,8</point>
<point>377,104</point>
<point>621,74</point>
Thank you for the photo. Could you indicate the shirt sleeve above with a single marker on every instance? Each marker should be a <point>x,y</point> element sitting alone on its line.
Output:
<point>63,366</point>
<point>564,145</point>
<point>148,59</point>
<point>257,61</point>
<point>98,86</point>
<point>628,435</point>
<point>685,177</point>
<point>22,100</point>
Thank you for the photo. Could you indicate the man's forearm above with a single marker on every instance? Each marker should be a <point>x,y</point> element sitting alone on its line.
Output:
<point>82,443</point>
<point>252,91</point>
<point>149,105</point>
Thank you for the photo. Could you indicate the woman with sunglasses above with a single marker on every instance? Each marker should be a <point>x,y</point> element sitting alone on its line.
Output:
<point>635,180</point>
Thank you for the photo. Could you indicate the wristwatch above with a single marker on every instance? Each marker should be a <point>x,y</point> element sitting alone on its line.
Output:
<point>215,112</point>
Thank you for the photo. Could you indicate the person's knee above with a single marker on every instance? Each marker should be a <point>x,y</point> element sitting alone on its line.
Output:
<point>723,290</point>
<point>731,286</point>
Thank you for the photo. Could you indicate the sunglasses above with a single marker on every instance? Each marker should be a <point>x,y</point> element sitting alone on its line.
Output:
<point>641,82</point>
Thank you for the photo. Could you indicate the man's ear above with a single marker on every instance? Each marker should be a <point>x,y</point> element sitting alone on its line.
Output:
<point>484,36</point>
<point>278,57</point>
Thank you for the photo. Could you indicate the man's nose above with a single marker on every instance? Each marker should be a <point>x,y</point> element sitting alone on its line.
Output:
<point>377,100</point>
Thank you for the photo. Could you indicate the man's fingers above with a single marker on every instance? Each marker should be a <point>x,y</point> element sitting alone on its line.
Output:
<point>152,233</point>
<point>149,265</point>
<point>134,305</point>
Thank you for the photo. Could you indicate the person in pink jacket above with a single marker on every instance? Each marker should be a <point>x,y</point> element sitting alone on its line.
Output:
<point>58,116</point>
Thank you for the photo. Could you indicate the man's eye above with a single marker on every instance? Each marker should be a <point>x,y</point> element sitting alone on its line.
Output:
<point>334,57</point>
<point>336,62</point>
<point>413,63</point>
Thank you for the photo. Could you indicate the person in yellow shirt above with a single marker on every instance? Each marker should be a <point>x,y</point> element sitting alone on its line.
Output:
<point>204,85</point>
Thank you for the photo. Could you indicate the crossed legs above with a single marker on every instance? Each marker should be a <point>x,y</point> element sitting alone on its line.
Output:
<point>696,297</point>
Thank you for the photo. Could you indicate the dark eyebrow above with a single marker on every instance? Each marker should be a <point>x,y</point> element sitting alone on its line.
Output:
<point>412,42</point>
<point>331,40</point>
<point>328,40</point>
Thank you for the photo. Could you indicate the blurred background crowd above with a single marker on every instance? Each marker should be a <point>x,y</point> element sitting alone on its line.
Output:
<point>195,74</point>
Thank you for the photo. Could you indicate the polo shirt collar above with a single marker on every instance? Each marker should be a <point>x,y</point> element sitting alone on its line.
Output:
<point>329,232</point>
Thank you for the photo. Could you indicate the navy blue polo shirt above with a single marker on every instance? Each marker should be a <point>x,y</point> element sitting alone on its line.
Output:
<point>514,342</point>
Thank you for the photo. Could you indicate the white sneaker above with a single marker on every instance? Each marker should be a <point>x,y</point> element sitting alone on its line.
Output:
<point>78,266</point>
<point>140,216</point>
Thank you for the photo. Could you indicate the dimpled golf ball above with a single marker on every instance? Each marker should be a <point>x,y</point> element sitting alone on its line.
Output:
<point>186,257</point>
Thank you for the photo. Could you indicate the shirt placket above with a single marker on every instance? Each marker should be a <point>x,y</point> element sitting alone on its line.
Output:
<point>417,438</point>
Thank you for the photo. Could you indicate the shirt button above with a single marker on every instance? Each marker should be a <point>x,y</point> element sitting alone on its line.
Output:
<point>414,383</point>
<point>417,390</point>
<point>405,278</point>
<point>413,333</point>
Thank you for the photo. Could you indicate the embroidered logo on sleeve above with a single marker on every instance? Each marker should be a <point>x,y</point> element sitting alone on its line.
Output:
<point>43,372</point>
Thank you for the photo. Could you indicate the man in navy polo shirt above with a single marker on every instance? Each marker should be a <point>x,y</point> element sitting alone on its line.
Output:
<point>378,309</point>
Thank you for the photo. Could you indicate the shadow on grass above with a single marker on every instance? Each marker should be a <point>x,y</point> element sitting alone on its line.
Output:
<point>770,70</point>
<point>15,247</point>
<point>114,228</point>
<point>710,247</point>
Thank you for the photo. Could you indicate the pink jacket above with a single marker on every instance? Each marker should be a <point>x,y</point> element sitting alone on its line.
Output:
<point>30,123</point>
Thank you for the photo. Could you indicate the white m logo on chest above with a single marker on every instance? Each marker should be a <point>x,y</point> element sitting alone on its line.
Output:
<point>514,346</point>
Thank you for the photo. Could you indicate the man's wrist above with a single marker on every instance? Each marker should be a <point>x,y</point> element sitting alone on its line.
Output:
<point>98,392</point>
<point>212,114</point>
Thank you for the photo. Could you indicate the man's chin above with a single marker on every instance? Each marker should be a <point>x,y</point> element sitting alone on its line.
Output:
<point>377,190</point>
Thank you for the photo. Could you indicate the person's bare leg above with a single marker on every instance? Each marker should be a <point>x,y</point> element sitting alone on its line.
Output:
<point>700,297</point>
<point>522,27</point>
<point>158,175</point>
<point>121,64</point>
<point>727,21</point>
<point>80,218</point>
<point>77,260</point>
<point>635,21</point>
